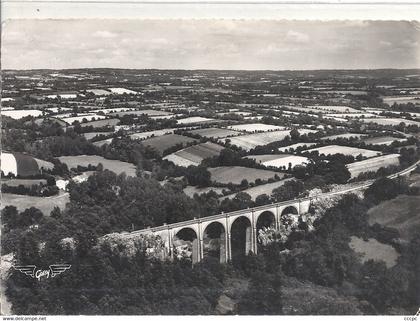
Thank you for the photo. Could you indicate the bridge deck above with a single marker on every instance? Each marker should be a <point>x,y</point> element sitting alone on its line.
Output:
<point>263,207</point>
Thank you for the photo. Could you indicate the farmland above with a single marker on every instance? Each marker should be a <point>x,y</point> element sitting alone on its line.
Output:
<point>18,114</point>
<point>215,132</point>
<point>374,250</point>
<point>383,140</point>
<point>390,100</point>
<point>352,115</point>
<point>346,135</point>
<point>389,121</point>
<point>24,182</point>
<point>279,161</point>
<point>45,204</point>
<point>162,143</point>
<point>115,166</point>
<point>260,189</point>
<point>153,133</point>
<point>345,150</point>
<point>255,127</point>
<point>195,120</point>
<point>338,109</point>
<point>295,146</point>
<point>23,164</point>
<point>401,213</point>
<point>121,91</point>
<point>235,174</point>
<point>91,135</point>
<point>83,118</point>
<point>194,155</point>
<point>372,164</point>
<point>148,112</point>
<point>100,143</point>
<point>248,142</point>
<point>101,123</point>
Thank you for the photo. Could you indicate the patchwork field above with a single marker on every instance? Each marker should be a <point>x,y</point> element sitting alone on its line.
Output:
<point>279,161</point>
<point>102,123</point>
<point>194,155</point>
<point>162,143</point>
<point>115,166</point>
<point>352,115</point>
<point>390,121</point>
<point>248,142</point>
<point>372,164</point>
<point>23,164</point>
<point>256,127</point>
<point>99,92</point>
<point>390,100</point>
<point>45,204</point>
<point>80,119</point>
<point>153,133</point>
<point>294,146</point>
<point>148,112</point>
<point>24,182</point>
<point>346,135</point>
<point>338,109</point>
<point>91,135</point>
<point>345,150</point>
<point>385,140</point>
<point>260,189</point>
<point>100,143</point>
<point>306,110</point>
<point>18,114</point>
<point>374,250</point>
<point>121,91</point>
<point>215,132</point>
<point>235,174</point>
<point>193,120</point>
<point>112,110</point>
<point>401,213</point>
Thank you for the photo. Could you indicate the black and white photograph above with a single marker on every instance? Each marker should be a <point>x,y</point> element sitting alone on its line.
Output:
<point>196,166</point>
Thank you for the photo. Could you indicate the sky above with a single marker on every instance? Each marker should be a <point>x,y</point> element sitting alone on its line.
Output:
<point>210,44</point>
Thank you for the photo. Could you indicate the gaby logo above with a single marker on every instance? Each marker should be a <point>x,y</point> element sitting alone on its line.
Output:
<point>32,271</point>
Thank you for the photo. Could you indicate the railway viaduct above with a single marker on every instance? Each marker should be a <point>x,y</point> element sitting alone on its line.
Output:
<point>252,220</point>
<point>223,225</point>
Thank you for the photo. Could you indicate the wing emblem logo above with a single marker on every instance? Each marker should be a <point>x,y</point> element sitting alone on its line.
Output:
<point>32,271</point>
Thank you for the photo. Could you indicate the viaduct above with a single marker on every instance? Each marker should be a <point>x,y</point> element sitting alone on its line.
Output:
<point>223,225</point>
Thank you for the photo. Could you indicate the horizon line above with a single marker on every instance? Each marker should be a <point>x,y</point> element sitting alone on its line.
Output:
<point>204,69</point>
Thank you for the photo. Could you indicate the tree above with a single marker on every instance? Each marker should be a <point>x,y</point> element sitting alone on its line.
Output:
<point>244,183</point>
<point>385,189</point>
<point>262,199</point>
<point>288,191</point>
<point>294,134</point>
<point>9,217</point>
<point>198,176</point>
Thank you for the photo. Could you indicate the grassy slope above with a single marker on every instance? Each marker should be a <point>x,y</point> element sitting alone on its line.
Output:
<point>401,213</point>
<point>372,249</point>
<point>45,204</point>
<point>113,165</point>
<point>235,174</point>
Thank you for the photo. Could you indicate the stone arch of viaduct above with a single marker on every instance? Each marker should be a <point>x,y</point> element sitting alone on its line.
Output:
<point>168,232</point>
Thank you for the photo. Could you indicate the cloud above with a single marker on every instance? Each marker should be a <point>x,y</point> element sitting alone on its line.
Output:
<point>385,43</point>
<point>298,37</point>
<point>207,44</point>
<point>104,34</point>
